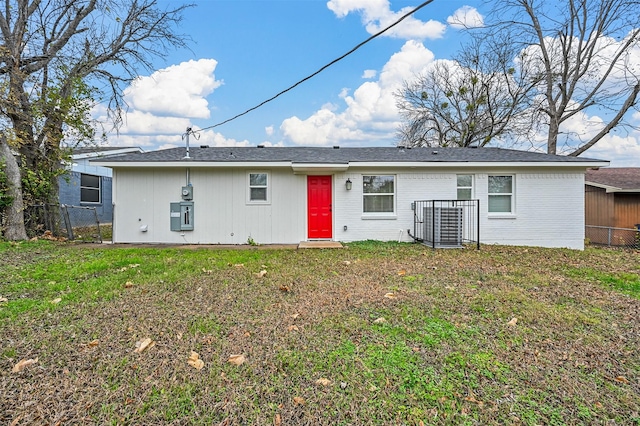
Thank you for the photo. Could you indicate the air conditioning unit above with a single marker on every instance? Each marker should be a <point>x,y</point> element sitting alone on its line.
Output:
<point>443,226</point>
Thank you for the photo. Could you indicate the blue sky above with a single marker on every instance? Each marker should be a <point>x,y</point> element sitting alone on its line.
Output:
<point>245,51</point>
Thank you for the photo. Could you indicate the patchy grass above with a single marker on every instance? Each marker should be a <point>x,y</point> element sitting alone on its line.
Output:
<point>402,333</point>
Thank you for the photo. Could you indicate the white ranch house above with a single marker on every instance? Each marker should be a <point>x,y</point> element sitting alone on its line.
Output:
<point>233,195</point>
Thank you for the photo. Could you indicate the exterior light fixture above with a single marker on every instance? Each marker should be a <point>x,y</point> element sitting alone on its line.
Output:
<point>348,184</point>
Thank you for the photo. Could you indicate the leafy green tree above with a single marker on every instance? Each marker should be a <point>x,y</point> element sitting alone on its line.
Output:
<point>59,57</point>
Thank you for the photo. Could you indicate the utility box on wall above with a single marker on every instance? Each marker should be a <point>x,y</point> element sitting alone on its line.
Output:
<point>182,216</point>
<point>187,192</point>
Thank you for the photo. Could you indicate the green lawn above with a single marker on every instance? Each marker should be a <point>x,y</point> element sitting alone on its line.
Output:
<point>376,333</point>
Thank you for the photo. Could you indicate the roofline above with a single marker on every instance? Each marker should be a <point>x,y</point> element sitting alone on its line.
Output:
<point>345,166</point>
<point>610,188</point>
<point>100,153</point>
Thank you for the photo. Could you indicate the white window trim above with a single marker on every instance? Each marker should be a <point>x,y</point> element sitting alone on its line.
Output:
<point>99,189</point>
<point>472,187</point>
<point>268,187</point>
<point>503,215</point>
<point>381,215</point>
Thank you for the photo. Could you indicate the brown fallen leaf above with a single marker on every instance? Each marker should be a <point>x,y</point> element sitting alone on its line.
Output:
<point>298,400</point>
<point>390,296</point>
<point>323,382</point>
<point>261,273</point>
<point>294,316</point>
<point>56,300</point>
<point>93,343</point>
<point>380,320</point>
<point>277,420</point>
<point>292,328</point>
<point>144,345</point>
<point>237,359</point>
<point>346,262</point>
<point>513,321</point>
<point>622,379</point>
<point>195,361</point>
<point>402,272</point>
<point>22,364</point>
<point>285,288</point>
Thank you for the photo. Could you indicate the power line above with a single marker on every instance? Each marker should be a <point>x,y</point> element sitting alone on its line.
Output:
<point>320,70</point>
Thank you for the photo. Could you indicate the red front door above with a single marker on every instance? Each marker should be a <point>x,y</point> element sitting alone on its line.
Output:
<point>319,207</point>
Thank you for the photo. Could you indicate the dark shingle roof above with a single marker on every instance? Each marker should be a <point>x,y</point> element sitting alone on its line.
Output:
<point>624,178</point>
<point>344,155</point>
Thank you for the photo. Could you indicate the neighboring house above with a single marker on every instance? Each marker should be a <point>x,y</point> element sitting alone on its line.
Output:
<point>89,185</point>
<point>286,195</point>
<point>612,199</point>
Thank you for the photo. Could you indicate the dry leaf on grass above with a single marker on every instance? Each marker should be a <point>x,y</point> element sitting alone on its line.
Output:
<point>294,316</point>
<point>622,379</point>
<point>346,262</point>
<point>56,300</point>
<point>261,273</point>
<point>402,272</point>
<point>390,296</point>
<point>298,400</point>
<point>292,328</point>
<point>93,343</point>
<point>236,359</point>
<point>207,271</point>
<point>23,364</point>
<point>144,345</point>
<point>513,321</point>
<point>195,361</point>
<point>277,420</point>
<point>128,284</point>
<point>323,382</point>
<point>239,265</point>
<point>3,300</point>
<point>380,320</point>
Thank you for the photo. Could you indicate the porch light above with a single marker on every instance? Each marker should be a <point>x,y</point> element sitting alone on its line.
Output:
<point>348,184</point>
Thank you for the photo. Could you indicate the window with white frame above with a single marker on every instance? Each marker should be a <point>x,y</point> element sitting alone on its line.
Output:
<point>465,187</point>
<point>90,188</point>
<point>500,194</point>
<point>378,194</point>
<point>258,187</point>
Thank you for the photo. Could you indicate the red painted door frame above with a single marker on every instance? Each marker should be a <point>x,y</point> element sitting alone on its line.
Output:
<point>319,207</point>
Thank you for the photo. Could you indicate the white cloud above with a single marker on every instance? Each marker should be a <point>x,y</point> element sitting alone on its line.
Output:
<point>369,74</point>
<point>377,14</point>
<point>466,17</point>
<point>268,130</point>
<point>176,91</point>
<point>370,115</point>
<point>162,106</point>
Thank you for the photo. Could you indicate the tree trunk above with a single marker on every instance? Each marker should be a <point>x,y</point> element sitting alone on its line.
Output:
<point>15,229</point>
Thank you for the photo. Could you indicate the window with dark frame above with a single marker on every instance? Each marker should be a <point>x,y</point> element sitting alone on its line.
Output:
<point>90,188</point>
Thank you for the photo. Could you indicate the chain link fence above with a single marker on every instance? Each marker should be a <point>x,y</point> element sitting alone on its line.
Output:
<point>79,223</point>
<point>613,237</point>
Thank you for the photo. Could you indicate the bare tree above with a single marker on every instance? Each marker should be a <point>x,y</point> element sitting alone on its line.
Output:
<point>468,101</point>
<point>59,56</point>
<point>583,54</point>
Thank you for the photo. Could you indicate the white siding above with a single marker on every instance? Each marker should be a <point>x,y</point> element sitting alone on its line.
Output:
<point>549,206</point>
<point>221,212</point>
